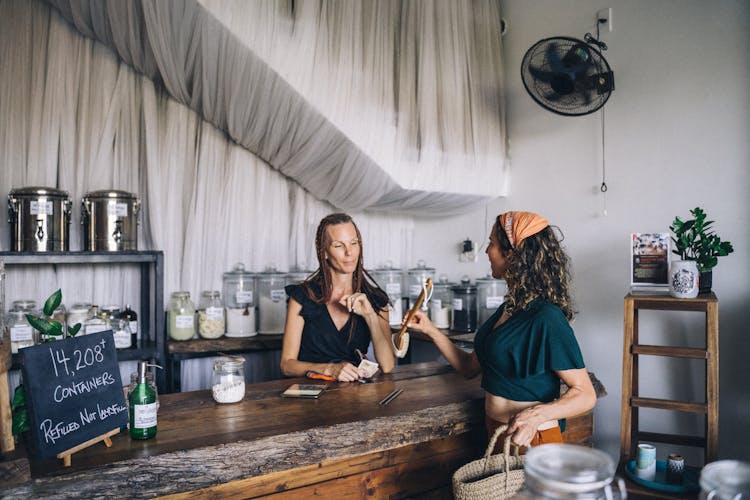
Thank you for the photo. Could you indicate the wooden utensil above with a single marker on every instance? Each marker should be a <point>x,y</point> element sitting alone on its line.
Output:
<point>398,341</point>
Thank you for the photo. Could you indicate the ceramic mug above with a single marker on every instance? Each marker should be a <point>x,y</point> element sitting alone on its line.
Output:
<point>683,279</point>
<point>645,462</point>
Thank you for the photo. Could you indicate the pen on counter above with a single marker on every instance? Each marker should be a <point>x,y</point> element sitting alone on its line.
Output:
<point>319,376</point>
<point>390,397</point>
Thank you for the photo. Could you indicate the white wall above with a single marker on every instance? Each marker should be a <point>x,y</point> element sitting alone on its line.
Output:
<point>677,129</point>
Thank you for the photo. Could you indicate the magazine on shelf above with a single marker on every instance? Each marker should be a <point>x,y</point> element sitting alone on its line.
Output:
<point>649,263</point>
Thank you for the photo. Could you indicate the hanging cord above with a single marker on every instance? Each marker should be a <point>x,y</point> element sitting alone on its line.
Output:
<point>603,188</point>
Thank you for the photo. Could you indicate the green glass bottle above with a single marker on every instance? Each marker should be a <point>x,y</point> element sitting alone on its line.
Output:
<point>142,401</point>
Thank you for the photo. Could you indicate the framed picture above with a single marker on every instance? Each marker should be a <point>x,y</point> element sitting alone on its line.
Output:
<point>649,261</point>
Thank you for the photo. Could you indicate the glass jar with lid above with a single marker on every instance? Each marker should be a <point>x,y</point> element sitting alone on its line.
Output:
<point>569,471</point>
<point>121,332</point>
<point>490,295</point>
<point>441,303</point>
<point>21,333</point>
<point>464,307</point>
<point>390,279</point>
<point>725,480</point>
<point>79,313</point>
<point>239,300</point>
<point>417,277</point>
<point>271,301</point>
<point>211,315</point>
<point>98,322</point>
<point>228,379</point>
<point>181,316</point>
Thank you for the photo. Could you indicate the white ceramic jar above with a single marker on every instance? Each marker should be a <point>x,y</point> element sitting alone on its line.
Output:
<point>683,279</point>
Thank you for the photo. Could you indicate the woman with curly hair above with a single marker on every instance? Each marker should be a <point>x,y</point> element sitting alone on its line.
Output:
<point>334,314</point>
<point>527,346</point>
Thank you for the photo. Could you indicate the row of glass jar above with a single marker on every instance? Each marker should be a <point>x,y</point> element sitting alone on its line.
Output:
<point>256,302</point>
<point>460,307</point>
<point>211,319</point>
<point>124,324</point>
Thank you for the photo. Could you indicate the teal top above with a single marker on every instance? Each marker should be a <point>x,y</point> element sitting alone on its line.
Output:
<point>519,358</point>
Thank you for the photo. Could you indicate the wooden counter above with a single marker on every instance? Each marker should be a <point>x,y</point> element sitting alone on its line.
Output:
<point>340,445</point>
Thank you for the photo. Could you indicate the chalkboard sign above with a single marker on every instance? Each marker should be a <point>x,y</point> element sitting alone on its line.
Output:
<point>73,391</point>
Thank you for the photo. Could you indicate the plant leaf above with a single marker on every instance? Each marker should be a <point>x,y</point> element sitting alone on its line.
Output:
<point>19,398</point>
<point>73,330</point>
<point>45,326</point>
<point>53,302</point>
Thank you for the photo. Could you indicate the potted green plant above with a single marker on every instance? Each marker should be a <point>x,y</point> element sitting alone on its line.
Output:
<point>51,330</point>
<point>694,239</point>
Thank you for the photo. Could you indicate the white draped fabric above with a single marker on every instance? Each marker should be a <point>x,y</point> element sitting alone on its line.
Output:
<point>367,105</point>
<point>230,160</point>
<point>76,118</point>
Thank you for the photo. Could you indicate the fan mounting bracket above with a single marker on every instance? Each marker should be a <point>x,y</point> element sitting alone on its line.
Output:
<point>604,18</point>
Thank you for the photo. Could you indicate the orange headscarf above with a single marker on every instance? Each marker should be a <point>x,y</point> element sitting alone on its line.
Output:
<point>521,225</point>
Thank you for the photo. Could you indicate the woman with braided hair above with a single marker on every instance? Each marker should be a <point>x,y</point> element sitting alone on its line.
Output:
<point>527,346</point>
<point>334,314</point>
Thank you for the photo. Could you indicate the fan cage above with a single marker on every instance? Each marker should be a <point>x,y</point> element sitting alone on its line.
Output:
<point>592,87</point>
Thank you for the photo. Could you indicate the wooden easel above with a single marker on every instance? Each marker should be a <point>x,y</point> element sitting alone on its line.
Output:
<point>65,455</point>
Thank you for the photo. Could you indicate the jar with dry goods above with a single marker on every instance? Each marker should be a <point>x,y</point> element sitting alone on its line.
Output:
<point>211,315</point>
<point>228,379</point>
<point>239,299</point>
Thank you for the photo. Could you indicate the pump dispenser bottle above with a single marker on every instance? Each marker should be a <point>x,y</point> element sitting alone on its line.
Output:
<point>142,401</point>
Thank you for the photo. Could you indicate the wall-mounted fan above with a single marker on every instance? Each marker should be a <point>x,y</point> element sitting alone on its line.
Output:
<point>568,76</point>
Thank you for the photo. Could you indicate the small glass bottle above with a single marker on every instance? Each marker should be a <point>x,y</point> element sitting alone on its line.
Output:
<point>143,406</point>
<point>98,322</point>
<point>149,380</point>
<point>181,314</point>
<point>211,315</point>
<point>228,379</point>
<point>130,315</point>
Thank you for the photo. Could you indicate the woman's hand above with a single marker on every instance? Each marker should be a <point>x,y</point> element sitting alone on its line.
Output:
<point>421,323</point>
<point>524,425</point>
<point>358,304</point>
<point>343,371</point>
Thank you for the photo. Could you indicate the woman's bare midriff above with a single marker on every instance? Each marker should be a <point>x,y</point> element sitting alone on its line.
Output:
<point>503,410</point>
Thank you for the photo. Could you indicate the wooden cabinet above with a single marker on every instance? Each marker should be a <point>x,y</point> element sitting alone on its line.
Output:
<point>151,307</point>
<point>632,349</point>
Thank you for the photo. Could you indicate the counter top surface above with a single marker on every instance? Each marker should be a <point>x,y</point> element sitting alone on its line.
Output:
<point>201,443</point>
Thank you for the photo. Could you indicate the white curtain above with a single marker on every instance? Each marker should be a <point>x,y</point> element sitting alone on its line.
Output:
<point>76,118</point>
<point>389,104</point>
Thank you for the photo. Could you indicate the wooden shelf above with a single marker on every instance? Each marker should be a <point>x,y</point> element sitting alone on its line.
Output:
<point>630,433</point>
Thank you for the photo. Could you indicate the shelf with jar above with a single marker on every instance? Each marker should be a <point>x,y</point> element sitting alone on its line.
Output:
<point>248,315</point>
<point>150,339</point>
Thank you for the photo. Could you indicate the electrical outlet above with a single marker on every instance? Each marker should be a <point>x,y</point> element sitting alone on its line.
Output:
<point>467,251</point>
<point>604,18</point>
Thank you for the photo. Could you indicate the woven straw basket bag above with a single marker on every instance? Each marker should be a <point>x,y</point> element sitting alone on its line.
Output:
<point>492,476</point>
